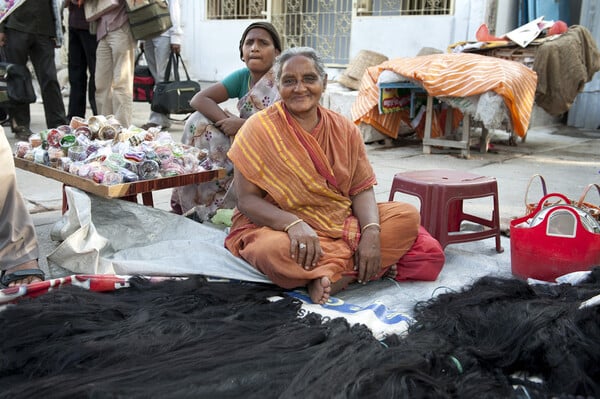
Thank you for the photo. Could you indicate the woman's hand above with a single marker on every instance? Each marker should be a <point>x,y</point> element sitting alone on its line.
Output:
<point>305,247</point>
<point>367,258</point>
<point>176,48</point>
<point>231,124</point>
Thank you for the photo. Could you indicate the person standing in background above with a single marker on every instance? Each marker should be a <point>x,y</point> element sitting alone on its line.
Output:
<point>33,31</point>
<point>157,51</point>
<point>115,62</point>
<point>82,60</point>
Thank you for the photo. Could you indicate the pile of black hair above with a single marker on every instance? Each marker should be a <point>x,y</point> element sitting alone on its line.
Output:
<point>498,338</point>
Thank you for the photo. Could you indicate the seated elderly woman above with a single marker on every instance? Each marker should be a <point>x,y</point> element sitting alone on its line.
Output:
<point>212,128</point>
<point>306,213</point>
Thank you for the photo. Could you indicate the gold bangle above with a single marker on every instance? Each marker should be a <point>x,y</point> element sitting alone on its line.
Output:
<point>289,226</point>
<point>366,226</point>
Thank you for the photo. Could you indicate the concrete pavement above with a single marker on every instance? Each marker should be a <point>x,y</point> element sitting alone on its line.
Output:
<point>568,158</point>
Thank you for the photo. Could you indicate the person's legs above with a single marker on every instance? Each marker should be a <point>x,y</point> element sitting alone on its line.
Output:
<point>123,55</point>
<point>17,52</point>
<point>18,241</point>
<point>90,44</point>
<point>77,74</point>
<point>157,52</point>
<point>399,228</point>
<point>103,77</point>
<point>269,251</point>
<point>42,57</point>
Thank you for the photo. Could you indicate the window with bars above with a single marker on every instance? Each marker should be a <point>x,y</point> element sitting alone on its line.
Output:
<point>236,9</point>
<point>378,8</point>
<point>322,24</point>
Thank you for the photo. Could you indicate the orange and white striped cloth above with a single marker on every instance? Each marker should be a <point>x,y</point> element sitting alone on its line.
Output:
<point>450,75</point>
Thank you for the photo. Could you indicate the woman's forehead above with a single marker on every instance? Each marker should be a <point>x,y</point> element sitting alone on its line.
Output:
<point>258,33</point>
<point>299,63</point>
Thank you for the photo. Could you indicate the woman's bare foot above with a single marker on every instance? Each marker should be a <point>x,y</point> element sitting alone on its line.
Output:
<point>32,264</point>
<point>319,290</point>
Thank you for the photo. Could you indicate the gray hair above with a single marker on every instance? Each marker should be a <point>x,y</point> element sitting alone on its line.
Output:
<point>307,52</point>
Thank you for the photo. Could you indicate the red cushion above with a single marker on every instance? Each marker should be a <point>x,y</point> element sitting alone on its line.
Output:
<point>423,261</point>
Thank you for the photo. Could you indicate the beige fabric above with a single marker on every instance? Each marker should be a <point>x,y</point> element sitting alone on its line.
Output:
<point>18,241</point>
<point>115,62</point>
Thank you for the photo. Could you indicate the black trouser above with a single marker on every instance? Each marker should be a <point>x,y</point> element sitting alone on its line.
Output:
<point>40,50</point>
<point>82,59</point>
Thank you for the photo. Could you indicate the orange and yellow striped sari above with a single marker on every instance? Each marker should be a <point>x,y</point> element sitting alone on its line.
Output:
<point>314,176</point>
<point>269,152</point>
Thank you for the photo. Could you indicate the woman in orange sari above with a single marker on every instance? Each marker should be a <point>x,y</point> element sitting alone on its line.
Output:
<point>306,213</point>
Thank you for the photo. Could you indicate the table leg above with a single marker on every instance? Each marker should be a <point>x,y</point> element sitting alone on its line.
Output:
<point>130,198</point>
<point>466,132</point>
<point>485,139</point>
<point>147,199</point>
<point>428,119</point>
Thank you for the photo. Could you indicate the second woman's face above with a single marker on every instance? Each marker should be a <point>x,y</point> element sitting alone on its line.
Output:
<point>258,50</point>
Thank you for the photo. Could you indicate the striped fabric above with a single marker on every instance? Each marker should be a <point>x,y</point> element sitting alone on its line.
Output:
<point>268,153</point>
<point>451,75</point>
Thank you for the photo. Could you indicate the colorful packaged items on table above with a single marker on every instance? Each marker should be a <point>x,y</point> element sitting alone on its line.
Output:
<point>102,150</point>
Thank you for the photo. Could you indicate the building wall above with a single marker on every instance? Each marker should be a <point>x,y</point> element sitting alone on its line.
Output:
<point>210,48</point>
<point>507,17</point>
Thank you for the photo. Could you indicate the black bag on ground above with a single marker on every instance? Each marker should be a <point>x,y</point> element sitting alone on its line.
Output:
<point>143,81</point>
<point>15,84</point>
<point>173,96</point>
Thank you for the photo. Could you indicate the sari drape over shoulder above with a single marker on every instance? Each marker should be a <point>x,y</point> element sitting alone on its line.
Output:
<point>274,152</point>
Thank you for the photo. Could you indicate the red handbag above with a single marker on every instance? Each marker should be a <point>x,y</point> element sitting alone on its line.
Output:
<point>554,240</point>
<point>591,208</point>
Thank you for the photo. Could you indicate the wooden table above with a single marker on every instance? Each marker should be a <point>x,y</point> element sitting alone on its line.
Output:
<point>126,191</point>
<point>463,144</point>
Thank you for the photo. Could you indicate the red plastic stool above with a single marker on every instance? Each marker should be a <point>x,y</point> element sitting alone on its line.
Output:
<point>442,193</point>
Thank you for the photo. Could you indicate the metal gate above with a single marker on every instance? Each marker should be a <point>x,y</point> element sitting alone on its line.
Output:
<point>320,24</point>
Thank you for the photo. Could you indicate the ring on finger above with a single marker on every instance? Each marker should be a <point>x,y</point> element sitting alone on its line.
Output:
<point>302,245</point>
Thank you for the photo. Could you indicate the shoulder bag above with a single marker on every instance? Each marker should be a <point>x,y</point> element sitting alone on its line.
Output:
<point>148,18</point>
<point>173,96</point>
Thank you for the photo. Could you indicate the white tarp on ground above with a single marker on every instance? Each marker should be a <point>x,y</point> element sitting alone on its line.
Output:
<point>101,236</point>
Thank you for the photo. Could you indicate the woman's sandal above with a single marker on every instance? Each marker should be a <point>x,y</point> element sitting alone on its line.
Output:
<point>7,278</point>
